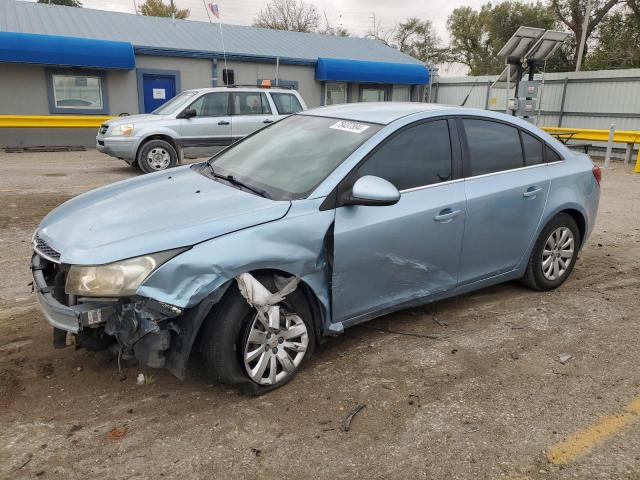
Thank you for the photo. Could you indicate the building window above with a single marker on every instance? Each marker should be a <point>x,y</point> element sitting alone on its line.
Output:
<point>335,93</point>
<point>374,93</point>
<point>77,92</point>
<point>401,93</point>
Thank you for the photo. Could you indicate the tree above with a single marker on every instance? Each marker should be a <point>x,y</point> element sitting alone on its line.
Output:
<point>414,37</point>
<point>618,37</point>
<point>157,8</point>
<point>292,15</point>
<point>478,36</point>
<point>571,13</point>
<point>66,3</point>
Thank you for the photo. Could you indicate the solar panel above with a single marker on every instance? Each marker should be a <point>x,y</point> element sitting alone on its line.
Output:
<point>546,45</point>
<point>511,72</point>
<point>520,43</point>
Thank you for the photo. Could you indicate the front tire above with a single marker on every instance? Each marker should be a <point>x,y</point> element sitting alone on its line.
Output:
<point>554,254</point>
<point>156,155</point>
<point>239,350</point>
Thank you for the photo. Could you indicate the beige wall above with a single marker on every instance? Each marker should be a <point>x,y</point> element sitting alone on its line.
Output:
<point>23,90</point>
<point>247,73</point>
<point>194,72</point>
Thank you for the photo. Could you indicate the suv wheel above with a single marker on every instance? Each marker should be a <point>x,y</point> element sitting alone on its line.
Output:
<point>157,155</point>
<point>554,254</point>
<point>239,350</point>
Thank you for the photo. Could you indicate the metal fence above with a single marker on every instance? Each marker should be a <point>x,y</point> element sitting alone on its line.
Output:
<point>579,100</point>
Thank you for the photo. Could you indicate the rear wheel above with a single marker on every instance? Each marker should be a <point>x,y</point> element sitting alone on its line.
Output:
<point>157,155</point>
<point>239,349</point>
<point>554,254</point>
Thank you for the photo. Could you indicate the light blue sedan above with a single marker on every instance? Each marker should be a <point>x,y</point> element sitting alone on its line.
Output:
<point>321,221</point>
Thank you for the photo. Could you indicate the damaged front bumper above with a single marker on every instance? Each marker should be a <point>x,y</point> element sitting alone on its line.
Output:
<point>142,327</point>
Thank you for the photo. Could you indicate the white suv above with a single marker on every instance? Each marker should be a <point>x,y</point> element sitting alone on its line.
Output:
<point>194,123</point>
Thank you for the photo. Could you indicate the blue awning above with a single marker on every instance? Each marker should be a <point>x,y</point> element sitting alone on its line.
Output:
<point>342,70</point>
<point>65,51</point>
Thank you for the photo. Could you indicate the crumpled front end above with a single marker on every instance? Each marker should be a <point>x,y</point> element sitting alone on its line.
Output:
<point>142,327</point>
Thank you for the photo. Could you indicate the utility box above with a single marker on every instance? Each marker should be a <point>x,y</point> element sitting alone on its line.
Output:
<point>528,89</point>
<point>526,108</point>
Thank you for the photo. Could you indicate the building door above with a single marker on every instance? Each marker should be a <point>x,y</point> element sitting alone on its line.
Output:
<point>157,89</point>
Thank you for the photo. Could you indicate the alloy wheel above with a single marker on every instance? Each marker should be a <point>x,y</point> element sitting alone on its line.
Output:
<point>158,158</point>
<point>271,355</point>
<point>558,253</point>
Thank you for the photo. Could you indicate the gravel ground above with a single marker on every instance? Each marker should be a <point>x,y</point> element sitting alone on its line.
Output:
<point>471,388</point>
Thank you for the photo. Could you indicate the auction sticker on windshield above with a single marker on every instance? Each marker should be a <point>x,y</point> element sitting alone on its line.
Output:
<point>347,126</point>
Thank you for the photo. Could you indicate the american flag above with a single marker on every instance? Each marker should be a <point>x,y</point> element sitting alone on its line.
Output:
<point>214,9</point>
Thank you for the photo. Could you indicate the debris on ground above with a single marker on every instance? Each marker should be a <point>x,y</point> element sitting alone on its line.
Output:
<point>346,423</point>
<point>140,379</point>
<point>515,355</point>
<point>256,451</point>
<point>117,433</point>
<point>564,358</point>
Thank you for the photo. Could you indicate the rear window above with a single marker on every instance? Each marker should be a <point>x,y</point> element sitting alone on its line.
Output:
<point>286,103</point>
<point>493,146</point>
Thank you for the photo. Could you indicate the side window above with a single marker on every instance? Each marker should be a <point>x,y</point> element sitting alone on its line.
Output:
<point>415,157</point>
<point>250,103</point>
<point>533,149</point>
<point>550,155</point>
<point>211,105</point>
<point>286,103</point>
<point>493,147</point>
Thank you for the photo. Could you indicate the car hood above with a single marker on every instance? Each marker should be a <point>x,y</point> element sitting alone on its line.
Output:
<point>151,213</point>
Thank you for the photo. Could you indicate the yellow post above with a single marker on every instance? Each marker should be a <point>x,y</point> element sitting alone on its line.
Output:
<point>637,170</point>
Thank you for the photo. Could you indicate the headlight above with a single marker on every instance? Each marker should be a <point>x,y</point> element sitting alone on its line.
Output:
<point>116,279</point>
<point>122,130</point>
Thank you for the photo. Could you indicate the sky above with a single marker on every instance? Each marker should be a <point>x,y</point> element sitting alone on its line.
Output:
<point>357,16</point>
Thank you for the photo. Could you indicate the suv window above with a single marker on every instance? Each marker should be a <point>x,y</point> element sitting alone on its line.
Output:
<point>250,103</point>
<point>551,155</point>
<point>211,105</point>
<point>286,103</point>
<point>417,156</point>
<point>533,149</point>
<point>493,146</point>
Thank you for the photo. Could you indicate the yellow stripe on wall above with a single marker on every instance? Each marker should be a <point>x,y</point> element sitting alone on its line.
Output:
<point>52,121</point>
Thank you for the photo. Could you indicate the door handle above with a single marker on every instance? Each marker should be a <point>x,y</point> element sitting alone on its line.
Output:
<point>446,215</point>
<point>223,122</point>
<point>267,121</point>
<point>531,192</point>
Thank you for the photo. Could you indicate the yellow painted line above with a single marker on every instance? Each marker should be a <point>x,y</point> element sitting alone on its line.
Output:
<point>52,121</point>
<point>584,440</point>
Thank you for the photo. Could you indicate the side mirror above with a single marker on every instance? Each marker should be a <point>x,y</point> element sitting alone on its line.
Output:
<point>370,190</point>
<point>188,113</point>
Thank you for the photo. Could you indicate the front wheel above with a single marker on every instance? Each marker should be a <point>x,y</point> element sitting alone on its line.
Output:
<point>554,255</point>
<point>238,348</point>
<point>157,155</point>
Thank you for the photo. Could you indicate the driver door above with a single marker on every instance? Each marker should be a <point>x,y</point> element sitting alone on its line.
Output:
<point>389,256</point>
<point>210,129</point>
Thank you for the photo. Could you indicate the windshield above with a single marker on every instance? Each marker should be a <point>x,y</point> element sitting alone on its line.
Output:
<point>176,103</point>
<point>290,158</point>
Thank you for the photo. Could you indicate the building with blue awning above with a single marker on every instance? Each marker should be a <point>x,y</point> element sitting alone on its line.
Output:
<point>59,60</point>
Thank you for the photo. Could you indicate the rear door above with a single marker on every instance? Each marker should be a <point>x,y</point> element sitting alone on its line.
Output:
<point>250,111</point>
<point>505,194</point>
<point>388,256</point>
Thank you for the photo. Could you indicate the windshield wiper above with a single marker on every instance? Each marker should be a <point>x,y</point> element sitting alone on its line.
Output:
<point>235,181</point>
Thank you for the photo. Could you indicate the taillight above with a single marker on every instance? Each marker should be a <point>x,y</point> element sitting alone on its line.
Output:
<point>597,173</point>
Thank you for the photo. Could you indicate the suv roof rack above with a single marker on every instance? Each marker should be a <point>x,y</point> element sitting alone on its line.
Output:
<point>286,87</point>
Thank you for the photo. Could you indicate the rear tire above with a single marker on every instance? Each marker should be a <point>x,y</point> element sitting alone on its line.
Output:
<point>156,155</point>
<point>554,254</point>
<point>225,342</point>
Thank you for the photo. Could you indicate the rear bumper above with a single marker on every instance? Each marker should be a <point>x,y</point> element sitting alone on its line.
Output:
<point>119,147</point>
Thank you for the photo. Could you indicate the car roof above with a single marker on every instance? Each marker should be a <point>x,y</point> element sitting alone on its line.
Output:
<point>375,112</point>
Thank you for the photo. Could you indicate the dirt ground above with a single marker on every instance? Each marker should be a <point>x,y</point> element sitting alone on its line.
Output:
<point>469,388</point>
